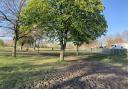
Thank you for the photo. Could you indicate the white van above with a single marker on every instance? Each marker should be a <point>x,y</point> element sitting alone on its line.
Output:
<point>120,46</point>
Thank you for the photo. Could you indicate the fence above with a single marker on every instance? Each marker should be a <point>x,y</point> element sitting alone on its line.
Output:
<point>108,51</point>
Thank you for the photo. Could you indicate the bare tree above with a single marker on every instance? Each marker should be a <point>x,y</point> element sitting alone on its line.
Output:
<point>10,12</point>
<point>109,41</point>
<point>125,35</point>
<point>118,39</point>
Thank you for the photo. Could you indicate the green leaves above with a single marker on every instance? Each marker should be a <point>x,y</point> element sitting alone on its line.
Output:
<point>36,12</point>
<point>67,20</point>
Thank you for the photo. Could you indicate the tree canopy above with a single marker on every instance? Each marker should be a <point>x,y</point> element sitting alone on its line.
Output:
<point>77,21</point>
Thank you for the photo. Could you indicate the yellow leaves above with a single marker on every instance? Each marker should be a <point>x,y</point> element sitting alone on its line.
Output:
<point>90,5</point>
<point>101,7</point>
<point>81,3</point>
<point>37,4</point>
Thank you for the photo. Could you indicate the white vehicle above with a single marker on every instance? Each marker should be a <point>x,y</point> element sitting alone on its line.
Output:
<point>120,46</point>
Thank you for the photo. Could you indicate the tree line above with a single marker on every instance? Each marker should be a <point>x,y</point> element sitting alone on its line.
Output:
<point>116,39</point>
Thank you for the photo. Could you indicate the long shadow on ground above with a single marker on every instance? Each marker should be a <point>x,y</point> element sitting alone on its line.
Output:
<point>95,76</point>
<point>88,73</point>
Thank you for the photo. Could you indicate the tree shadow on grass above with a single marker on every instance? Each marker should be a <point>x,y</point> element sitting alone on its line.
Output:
<point>28,66</point>
<point>96,76</point>
<point>115,60</point>
<point>16,75</point>
<point>55,53</point>
<point>19,76</point>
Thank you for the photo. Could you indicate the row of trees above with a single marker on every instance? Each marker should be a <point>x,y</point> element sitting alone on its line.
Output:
<point>77,21</point>
<point>116,39</point>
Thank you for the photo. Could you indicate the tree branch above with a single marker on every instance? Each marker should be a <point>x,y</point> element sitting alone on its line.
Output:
<point>6,27</point>
<point>5,17</point>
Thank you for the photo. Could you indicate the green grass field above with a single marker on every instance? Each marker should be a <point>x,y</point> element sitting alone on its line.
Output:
<point>25,68</point>
<point>14,71</point>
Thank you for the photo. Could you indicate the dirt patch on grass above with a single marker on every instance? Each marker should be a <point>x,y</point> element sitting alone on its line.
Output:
<point>83,75</point>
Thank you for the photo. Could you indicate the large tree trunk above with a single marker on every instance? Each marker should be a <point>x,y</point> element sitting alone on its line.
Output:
<point>63,42</point>
<point>14,47</point>
<point>62,52</point>
<point>77,50</point>
<point>15,39</point>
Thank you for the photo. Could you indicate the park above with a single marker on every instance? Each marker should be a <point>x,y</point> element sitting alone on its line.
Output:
<point>60,44</point>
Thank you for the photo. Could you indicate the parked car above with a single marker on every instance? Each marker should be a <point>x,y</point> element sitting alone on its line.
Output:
<point>102,46</point>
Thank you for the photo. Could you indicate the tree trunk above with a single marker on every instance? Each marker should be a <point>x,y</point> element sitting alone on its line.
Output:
<point>27,48</point>
<point>38,49</point>
<point>15,39</point>
<point>52,49</point>
<point>63,42</point>
<point>62,55</point>
<point>77,50</point>
<point>14,47</point>
<point>21,46</point>
<point>62,51</point>
<point>34,45</point>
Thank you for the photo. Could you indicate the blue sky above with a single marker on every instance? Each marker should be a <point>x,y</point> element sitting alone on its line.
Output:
<point>116,14</point>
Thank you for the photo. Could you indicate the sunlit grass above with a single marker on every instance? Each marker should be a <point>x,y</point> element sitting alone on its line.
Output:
<point>27,67</point>
<point>14,71</point>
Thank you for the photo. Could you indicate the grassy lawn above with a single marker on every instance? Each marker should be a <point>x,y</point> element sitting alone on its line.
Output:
<point>112,60</point>
<point>15,71</point>
<point>22,70</point>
